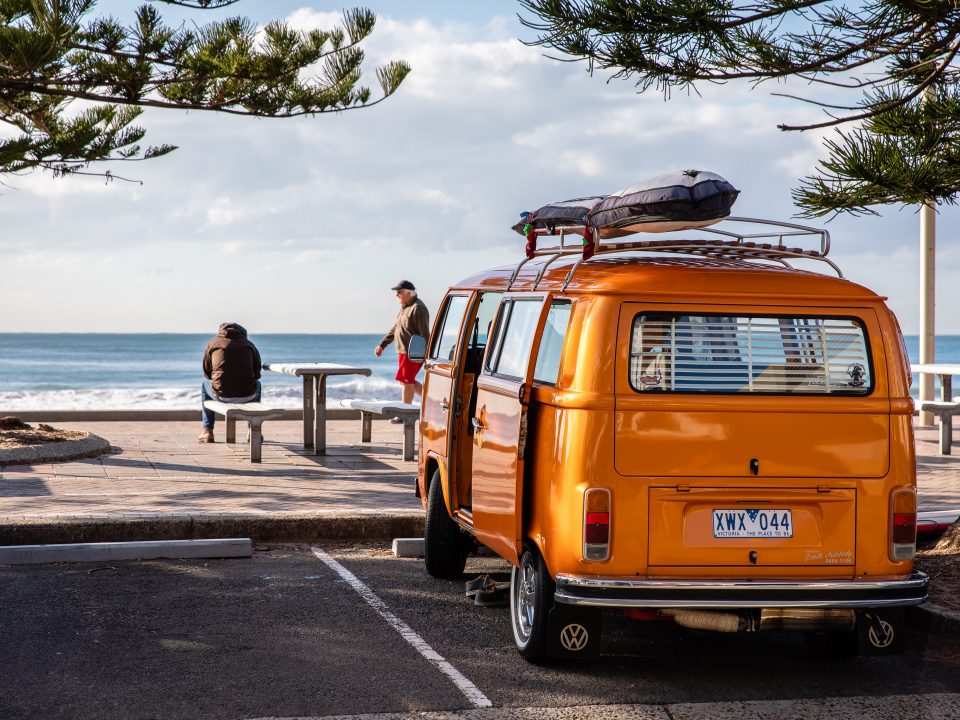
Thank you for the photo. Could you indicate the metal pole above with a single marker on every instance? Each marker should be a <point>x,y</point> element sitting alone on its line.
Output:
<point>928,298</point>
<point>928,260</point>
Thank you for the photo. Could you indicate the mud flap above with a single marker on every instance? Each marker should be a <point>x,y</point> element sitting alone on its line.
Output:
<point>881,632</point>
<point>574,632</point>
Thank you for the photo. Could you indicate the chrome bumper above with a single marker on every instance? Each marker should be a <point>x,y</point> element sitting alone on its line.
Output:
<point>606,592</point>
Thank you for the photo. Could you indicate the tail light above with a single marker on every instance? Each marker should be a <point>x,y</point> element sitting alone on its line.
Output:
<point>596,524</point>
<point>903,524</point>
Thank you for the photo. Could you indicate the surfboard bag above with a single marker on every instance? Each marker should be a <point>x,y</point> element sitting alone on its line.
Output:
<point>676,201</point>
<point>569,212</point>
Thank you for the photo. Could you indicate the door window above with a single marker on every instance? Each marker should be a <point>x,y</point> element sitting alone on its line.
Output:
<point>486,311</point>
<point>516,327</point>
<point>446,341</point>
<point>478,334</point>
<point>551,343</point>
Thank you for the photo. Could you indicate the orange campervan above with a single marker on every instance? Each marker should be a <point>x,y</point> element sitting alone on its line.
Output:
<point>692,427</point>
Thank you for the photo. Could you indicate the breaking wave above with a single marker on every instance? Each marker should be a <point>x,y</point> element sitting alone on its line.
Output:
<point>187,398</point>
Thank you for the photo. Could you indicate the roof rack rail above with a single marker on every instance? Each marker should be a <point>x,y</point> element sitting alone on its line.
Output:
<point>758,245</point>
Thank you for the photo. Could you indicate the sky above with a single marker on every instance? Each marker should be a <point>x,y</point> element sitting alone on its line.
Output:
<point>303,225</point>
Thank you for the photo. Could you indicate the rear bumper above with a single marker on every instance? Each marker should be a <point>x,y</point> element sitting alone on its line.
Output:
<point>606,592</point>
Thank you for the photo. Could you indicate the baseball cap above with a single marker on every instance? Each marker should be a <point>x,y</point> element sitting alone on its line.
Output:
<point>403,285</point>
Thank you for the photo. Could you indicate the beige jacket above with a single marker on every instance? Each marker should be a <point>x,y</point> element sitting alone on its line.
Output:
<point>413,319</point>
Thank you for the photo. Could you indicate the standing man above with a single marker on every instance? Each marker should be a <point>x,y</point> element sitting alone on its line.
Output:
<point>231,366</point>
<point>413,319</point>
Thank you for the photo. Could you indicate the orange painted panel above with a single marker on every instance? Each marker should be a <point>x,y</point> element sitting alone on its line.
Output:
<point>434,419</point>
<point>692,443</point>
<point>824,526</point>
<point>497,469</point>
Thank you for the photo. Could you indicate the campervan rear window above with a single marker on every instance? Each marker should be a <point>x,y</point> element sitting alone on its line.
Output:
<point>749,354</point>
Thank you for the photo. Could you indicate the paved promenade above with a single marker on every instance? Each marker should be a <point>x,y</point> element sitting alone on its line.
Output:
<point>159,472</point>
<point>160,479</point>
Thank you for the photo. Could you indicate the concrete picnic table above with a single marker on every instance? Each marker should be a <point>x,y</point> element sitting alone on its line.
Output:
<point>946,406</point>
<point>944,371</point>
<point>315,396</point>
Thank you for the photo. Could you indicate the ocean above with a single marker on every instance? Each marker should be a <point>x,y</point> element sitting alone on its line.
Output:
<point>63,371</point>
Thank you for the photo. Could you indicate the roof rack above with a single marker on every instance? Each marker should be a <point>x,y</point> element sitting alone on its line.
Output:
<point>729,244</point>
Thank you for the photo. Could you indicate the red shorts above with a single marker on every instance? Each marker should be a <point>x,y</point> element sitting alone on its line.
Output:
<point>407,369</point>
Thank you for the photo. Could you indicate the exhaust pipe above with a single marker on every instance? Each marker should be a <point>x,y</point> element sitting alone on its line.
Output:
<point>770,619</point>
<point>807,619</point>
<point>706,620</point>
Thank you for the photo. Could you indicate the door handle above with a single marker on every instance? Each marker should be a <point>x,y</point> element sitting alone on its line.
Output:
<point>444,405</point>
<point>477,425</point>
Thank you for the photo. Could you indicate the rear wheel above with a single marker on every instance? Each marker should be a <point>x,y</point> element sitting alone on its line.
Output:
<point>445,545</point>
<point>531,598</point>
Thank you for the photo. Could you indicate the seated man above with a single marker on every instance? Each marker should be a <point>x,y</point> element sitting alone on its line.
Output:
<point>231,364</point>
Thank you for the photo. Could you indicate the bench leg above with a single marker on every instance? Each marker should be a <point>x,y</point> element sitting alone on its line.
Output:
<point>946,433</point>
<point>408,441</point>
<point>231,430</point>
<point>320,412</point>
<point>256,440</point>
<point>366,421</point>
<point>308,411</point>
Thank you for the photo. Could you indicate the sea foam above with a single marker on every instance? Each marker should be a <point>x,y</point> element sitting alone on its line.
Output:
<point>187,398</point>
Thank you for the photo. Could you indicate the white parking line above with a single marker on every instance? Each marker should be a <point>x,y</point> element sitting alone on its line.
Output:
<point>470,691</point>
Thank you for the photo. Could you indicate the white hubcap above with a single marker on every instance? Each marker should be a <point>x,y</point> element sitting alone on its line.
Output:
<point>525,599</point>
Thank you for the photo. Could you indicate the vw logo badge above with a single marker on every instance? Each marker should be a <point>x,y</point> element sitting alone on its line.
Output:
<point>884,640</point>
<point>574,637</point>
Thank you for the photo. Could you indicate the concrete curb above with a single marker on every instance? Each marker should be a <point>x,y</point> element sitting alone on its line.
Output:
<point>85,447</point>
<point>259,528</point>
<point>933,619</point>
<point>138,550</point>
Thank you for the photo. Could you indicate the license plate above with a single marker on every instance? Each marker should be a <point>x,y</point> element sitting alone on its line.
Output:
<point>752,523</point>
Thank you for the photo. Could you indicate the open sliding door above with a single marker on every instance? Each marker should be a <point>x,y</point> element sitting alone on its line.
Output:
<point>500,425</point>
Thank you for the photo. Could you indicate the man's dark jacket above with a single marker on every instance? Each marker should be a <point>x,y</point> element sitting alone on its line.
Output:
<point>232,362</point>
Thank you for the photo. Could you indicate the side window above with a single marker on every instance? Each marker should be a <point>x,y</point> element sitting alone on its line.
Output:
<point>515,329</point>
<point>446,340</point>
<point>551,344</point>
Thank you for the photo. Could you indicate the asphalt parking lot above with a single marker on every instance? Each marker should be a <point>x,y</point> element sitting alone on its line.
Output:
<point>284,635</point>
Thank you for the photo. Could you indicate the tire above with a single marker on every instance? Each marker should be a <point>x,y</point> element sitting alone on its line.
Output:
<point>445,545</point>
<point>531,599</point>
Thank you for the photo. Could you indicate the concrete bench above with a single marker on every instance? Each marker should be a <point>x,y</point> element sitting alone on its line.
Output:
<point>253,413</point>
<point>407,412</point>
<point>945,410</point>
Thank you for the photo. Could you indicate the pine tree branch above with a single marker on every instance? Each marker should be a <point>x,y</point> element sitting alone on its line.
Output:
<point>52,54</point>
<point>884,107</point>
<point>221,106</point>
<point>759,16</point>
<point>156,60</point>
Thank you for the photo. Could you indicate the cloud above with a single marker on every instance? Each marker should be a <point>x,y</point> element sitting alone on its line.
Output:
<point>223,212</point>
